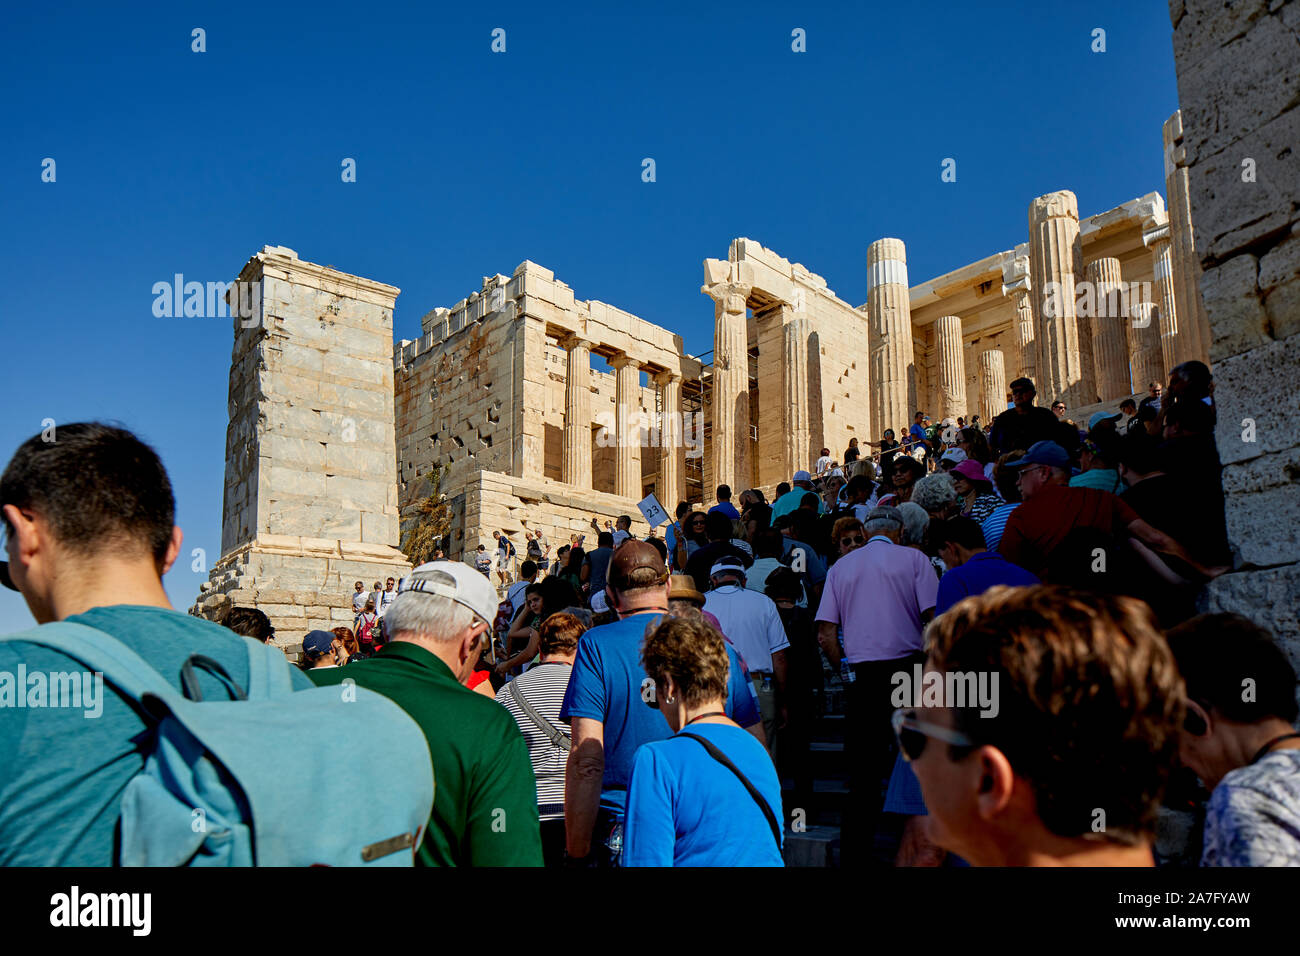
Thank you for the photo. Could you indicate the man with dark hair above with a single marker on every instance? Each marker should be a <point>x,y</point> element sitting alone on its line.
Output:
<point>972,568</point>
<point>724,504</point>
<point>605,703</point>
<point>515,593</point>
<point>250,622</point>
<point>718,528</point>
<point>1027,423</point>
<point>1062,758</point>
<point>782,488</point>
<point>622,529</point>
<point>1189,453</point>
<point>595,566</point>
<point>90,531</point>
<point>1240,739</point>
<point>861,495</point>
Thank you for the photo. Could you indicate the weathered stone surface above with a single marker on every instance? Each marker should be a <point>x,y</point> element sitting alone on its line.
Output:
<point>1231,295</point>
<point>1279,282</point>
<point>1261,386</point>
<point>1267,597</point>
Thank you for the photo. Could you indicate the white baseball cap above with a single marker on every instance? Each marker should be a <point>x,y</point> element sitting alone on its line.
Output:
<point>456,581</point>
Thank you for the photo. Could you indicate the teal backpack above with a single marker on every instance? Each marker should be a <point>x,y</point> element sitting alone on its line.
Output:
<point>332,776</point>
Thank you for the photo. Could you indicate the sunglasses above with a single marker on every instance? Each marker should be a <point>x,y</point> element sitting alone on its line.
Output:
<point>913,733</point>
<point>854,540</point>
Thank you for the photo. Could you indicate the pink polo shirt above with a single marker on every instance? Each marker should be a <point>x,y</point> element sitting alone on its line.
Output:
<point>877,594</point>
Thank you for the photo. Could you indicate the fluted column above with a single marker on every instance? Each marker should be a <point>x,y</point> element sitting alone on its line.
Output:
<point>1192,340</point>
<point>730,384</point>
<point>1145,353</point>
<point>889,316</point>
<point>952,367</point>
<point>577,413</point>
<point>1110,336</point>
<point>797,409</point>
<point>672,474</point>
<point>627,451</point>
<point>1054,260</point>
<point>1016,284</point>
<point>1157,240</point>
<point>993,384</point>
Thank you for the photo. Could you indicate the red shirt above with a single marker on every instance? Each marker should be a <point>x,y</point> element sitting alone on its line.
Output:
<point>1039,525</point>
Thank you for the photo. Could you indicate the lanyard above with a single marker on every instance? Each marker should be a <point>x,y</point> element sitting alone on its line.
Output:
<point>1263,751</point>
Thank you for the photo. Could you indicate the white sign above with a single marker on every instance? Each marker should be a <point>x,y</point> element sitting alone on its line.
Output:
<point>652,511</point>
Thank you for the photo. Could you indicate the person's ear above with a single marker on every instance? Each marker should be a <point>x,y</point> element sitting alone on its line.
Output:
<point>23,532</point>
<point>173,550</point>
<point>1197,720</point>
<point>611,598</point>
<point>993,781</point>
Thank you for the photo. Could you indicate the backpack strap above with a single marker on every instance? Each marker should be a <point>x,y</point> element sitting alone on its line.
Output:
<point>557,736</point>
<point>723,759</point>
<point>102,653</point>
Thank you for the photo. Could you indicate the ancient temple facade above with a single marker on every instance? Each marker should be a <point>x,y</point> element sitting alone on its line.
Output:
<point>542,411</point>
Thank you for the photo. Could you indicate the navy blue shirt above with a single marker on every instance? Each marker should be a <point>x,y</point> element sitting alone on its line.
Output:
<point>727,508</point>
<point>984,570</point>
<point>609,685</point>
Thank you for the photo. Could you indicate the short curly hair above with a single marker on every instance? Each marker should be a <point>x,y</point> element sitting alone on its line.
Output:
<point>692,652</point>
<point>559,633</point>
<point>935,492</point>
<point>1090,700</point>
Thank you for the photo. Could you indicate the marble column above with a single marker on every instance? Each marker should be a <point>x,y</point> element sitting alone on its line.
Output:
<point>672,474</point>
<point>993,385</point>
<point>730,399</point>
<point>1145,353</point>
<point>797,416</point>
<point>889,317</point>
<point>1016,284</point>
<point>1054,261</point>
<point>1157,240</point>
<point>1193,337</point>
<point>951,367</point>
<point>627,450</point>
<point>576,468</point>
<point>1110,335</point>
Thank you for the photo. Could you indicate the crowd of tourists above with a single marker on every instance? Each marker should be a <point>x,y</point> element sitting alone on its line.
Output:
<point>1011,621</point>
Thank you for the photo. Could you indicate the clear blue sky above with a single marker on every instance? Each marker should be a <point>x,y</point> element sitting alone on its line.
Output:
<point>469,162</point>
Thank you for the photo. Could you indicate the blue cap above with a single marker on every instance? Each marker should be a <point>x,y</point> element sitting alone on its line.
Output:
<point>317,642</point>
<point>1098,417</point>
<point>1043,453</point>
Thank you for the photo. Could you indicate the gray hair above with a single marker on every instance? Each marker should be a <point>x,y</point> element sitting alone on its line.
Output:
<point>425,615</point>
<point>916,520</point>
<point>882,520</point>
<point>935,492</point>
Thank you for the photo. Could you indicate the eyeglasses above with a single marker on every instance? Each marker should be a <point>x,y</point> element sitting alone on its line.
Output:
<point>853,540</point>
<point>912,734</point>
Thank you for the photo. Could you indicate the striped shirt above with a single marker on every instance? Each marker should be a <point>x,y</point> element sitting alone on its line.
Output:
<point>543,686</point>
<point>996,523</point>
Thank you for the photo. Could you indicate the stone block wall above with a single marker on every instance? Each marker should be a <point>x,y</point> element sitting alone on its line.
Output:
<point>1239,94</point>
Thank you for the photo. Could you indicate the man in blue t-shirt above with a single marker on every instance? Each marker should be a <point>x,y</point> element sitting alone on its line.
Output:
<point>971,568</point>
<point>89,519</point>
<point>605,704</point>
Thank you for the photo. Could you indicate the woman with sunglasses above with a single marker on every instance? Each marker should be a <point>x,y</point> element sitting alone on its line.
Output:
<point>693,529</point>
<point>848,535</point>
<point>708,796</point>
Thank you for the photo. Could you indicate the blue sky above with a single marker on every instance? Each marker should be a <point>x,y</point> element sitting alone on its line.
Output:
<point>470,161</point>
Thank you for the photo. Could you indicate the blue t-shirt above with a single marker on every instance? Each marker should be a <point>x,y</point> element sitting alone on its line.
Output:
<point>684,808</point>
<point>918,432</point>
<point>607,685</point>
<point>727,508</point>
<point>983,571</point>
<point>63,770</point>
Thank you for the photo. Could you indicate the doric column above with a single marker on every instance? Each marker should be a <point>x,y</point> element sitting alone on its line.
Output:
<point>993,385</point>
<point>797,410</point>
<point>730,385</point>
<point>952,367</point>
<point>1192,340</point>
<point>1145,353</point>
<point>1156,238</point>
<point>672,473</point>
<point>627,450</point>
<point>1054,262</point>
<point>577,413</point>
<point>1017,285</point>
<point>889,336</point>
<point>1110,337</point>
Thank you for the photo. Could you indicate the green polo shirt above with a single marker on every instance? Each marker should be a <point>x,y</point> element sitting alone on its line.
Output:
<point>485,797</point>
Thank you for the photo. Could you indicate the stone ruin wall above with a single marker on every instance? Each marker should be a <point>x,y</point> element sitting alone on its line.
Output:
<point>1240,98</point>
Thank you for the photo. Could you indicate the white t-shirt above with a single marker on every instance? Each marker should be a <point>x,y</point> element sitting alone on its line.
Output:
<point>823,463</point>
<point>359,601</point>
<point>750,621</point>
<point>620,536</point>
